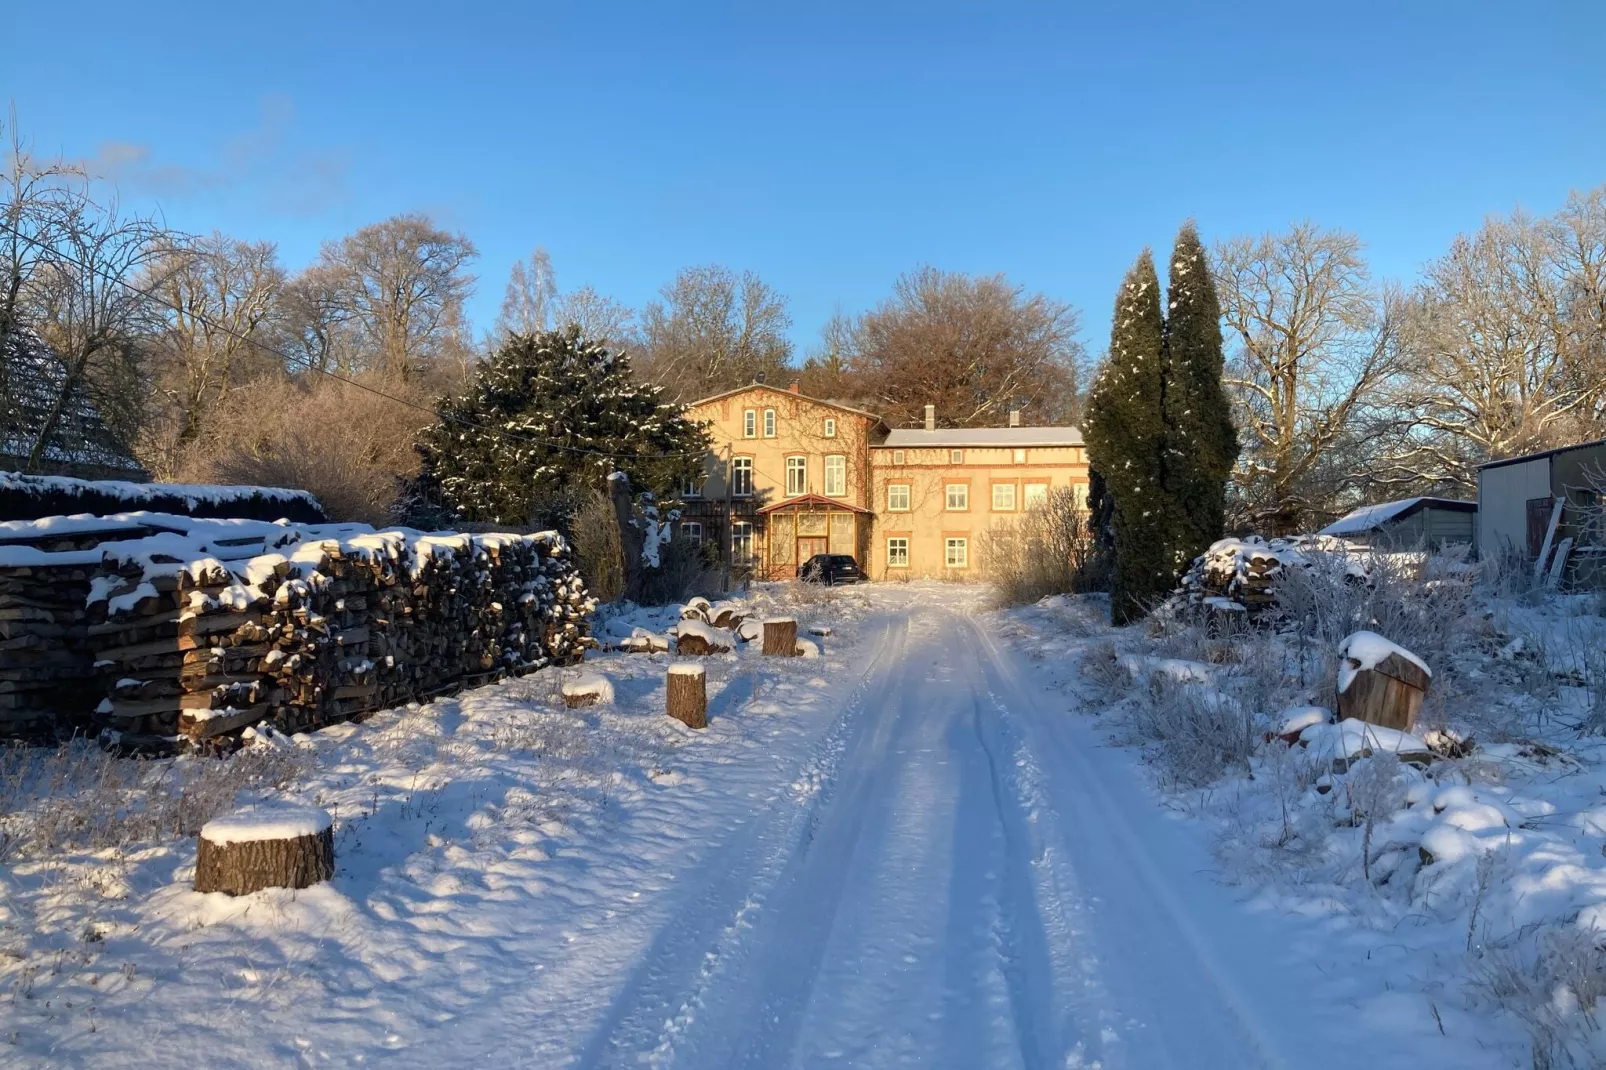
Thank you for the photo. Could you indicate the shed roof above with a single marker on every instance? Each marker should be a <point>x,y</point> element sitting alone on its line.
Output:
<point>913,438</point>
<point>1541,455</point>
<point>1372,517</point>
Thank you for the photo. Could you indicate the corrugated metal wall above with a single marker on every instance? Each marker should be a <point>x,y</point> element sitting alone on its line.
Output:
<point>1503,495</point>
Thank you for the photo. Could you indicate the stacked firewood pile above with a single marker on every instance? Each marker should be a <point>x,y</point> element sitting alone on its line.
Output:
<point>1243,575</point>
<point>181,648</point>
<point>43,667</point>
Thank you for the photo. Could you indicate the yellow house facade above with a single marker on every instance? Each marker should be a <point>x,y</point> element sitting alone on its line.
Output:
<point>790,476</point>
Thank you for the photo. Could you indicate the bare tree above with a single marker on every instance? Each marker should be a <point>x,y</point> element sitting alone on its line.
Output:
<point>216,295</point>
<point>528,304</point>
<point>315,328</point>
<point>714,330</point>
<point>601,319</point>
<point>972,346</point>
<point>1311,341</point>
<point>401,285</point>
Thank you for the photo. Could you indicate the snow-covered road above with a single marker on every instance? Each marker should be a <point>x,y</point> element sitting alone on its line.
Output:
<point>962,878</point>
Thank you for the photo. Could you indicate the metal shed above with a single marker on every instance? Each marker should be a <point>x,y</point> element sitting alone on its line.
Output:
<point>1408,524</point>
<point>1546,508</point>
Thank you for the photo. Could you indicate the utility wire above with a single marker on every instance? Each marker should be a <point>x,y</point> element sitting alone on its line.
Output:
<point>306,365</point>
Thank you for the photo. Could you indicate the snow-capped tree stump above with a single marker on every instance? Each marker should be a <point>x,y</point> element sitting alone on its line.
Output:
<point>587,689</point>
<point>688,695</point>
<point>268,847</point>
<point>700,638</point>
<point>1380,683</point>
<point>724,616</point>
<point>780,637</point>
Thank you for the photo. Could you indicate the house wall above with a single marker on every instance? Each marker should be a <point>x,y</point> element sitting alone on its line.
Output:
<point>1503,494</point>
<point>799,432</point>
<point>928,522</point>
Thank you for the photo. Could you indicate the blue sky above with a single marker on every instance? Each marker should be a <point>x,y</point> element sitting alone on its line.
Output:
<point>829,146</point>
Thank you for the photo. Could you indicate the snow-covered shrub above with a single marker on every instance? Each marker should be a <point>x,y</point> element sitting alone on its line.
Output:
<point>1048,550</point>
<point>1197,731</point>
<point>594,533</point>
<point>1552,982</point>
<point>1101,665</point>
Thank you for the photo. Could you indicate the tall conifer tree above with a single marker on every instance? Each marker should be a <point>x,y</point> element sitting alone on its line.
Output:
<point>1202,442</point>
<point>1126,438</point>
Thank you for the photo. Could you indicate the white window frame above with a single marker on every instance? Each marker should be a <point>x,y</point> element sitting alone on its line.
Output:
<point>739,467</point>
<point>1026,496</point>
<point>769,423</point>
<point>964,497</point>
<point>799,483</point>
<point>692,531</point>
<point>741,542</point>
<point>692,489</point>
<point>838,487</point>
<point>950,558</point>
<point>898,551</point>
<point>956,456</point>
<point>892,506</point>
<point>830,427</point>
<point>1007,506</point>
<point>749,423</point>
<point>897,456</point>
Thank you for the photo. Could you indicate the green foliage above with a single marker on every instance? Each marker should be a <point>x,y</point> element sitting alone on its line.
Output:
<point>1126,439</point>
<point>1203,444</point>
<point>569,411</point>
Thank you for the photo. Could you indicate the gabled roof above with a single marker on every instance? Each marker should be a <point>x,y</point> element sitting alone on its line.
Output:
<point>913,438</point>
<point>1541,455</point>
<point>1372,517</point>
<point>811,501</point>
<point>784,393</point>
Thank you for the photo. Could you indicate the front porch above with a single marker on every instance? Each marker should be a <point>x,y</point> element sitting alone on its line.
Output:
<point>796,529</point>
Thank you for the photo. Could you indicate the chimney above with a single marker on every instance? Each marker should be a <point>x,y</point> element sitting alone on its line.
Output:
<point>759,378</point>
<point>931,417</point>
<point>795,387</point>
<point>1014,417</point>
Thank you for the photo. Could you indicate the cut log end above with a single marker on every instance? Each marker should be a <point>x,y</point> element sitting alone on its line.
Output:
<point>687,699</point>
<point>270,847</point>
<point>780,637</point>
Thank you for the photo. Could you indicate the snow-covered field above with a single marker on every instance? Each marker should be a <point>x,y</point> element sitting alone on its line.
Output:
<point>923,848</point>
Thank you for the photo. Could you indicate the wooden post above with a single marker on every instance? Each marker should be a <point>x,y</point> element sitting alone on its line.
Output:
<point>780,636</point>
<point>688,695</point>
<point>269,847</point>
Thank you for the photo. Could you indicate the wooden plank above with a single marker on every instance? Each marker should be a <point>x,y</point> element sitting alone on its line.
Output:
<point>1550,537</point>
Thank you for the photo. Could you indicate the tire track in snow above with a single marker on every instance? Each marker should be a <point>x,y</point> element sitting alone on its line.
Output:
<point>663,998</point>
<point>1104,853</point>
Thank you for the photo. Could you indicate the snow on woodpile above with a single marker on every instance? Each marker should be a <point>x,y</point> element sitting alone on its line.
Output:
<point>197,629</point>
<point>28,497</point>
<point>1236,575</point>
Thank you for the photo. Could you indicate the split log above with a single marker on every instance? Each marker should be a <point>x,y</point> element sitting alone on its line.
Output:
<point>276,846</point>
<point>688,695</point>
<point>780,636</point>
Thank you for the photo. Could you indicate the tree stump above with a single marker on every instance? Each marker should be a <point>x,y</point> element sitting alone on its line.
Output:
<point>780,636</point>
<point>688,695</point>
<point>699,638</point>
<point>587,689</point>
<point>1379,685</point>
<point>276,846</point>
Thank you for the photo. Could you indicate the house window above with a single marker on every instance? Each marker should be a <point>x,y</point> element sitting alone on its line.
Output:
<point>1020,456</point>
<point>897,497</point>
<point>897,456</point>
<point>1003,497</point>
<point>692,489</point>
<point>898,553</point>
<point>742,543</point>
<point>836,475</point>
<point>691,531</point>
<point>956,456</point>
<point>750,423</point>
<point>742,477</point>
<point>797,476</point>
<point>830,427</point>
<point>769,423</point>
<point>956,553</point>
<point>1036,495</point>
<point>958,497</point>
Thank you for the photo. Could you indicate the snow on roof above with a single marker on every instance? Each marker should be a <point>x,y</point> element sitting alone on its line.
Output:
<point>912,438</point>
<point>1372,517</point>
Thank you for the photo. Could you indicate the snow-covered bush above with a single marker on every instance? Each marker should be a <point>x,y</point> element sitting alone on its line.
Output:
<point>1048,550</point>
<point>1198,732</point>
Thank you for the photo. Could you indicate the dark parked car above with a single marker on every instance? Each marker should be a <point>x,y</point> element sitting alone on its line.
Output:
<point>830,569</point>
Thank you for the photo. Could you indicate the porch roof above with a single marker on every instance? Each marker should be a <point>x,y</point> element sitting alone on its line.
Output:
<point>812,502</point>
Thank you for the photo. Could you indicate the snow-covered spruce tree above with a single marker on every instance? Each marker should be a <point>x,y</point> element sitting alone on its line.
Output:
<point>1203,443</point>
<point>545,421</point>
<point>1125,429</point>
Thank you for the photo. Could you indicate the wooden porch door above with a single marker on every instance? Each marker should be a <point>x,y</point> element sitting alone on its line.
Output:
<point>807,548</point>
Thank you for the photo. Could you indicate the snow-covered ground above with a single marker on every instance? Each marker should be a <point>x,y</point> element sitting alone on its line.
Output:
<point>919,849</point>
